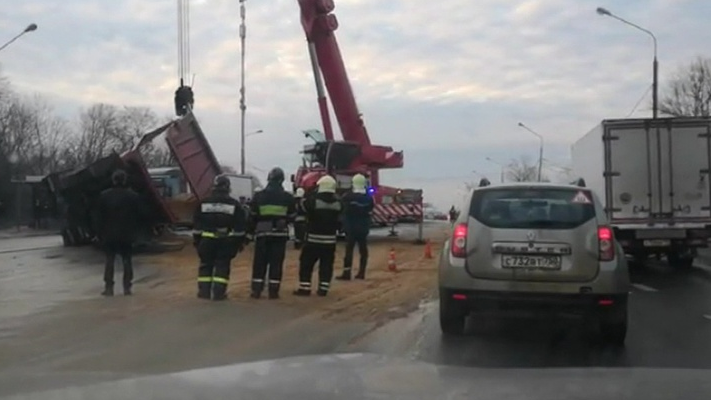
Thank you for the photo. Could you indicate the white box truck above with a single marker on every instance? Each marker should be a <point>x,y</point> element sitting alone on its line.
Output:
<point>242,187</point>
<point>652,177</point>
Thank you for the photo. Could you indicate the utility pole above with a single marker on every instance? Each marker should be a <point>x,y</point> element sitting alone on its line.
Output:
<point>242,90</point>
<point>540,149</point>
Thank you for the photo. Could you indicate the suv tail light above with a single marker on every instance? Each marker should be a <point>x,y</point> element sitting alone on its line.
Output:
<point>459,241</point>
<point>605,243</point>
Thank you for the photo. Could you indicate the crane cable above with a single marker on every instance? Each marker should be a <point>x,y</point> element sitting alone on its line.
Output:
<point>183,41</point>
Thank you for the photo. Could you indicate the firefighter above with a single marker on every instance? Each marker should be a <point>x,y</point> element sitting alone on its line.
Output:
<point>219,222</point>
<point>120,211</point>
<point>356,223</point>
<point>323,212</point>
<point>300,220</point>
<point>271,211</point>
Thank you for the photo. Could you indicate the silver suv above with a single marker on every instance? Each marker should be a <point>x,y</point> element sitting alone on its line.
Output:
<point>534,247</point>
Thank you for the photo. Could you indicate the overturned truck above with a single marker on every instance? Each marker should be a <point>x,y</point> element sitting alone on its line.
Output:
<point>76,192</point>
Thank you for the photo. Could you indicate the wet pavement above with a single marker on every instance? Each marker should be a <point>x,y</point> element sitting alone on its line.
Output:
<point>53,322</point>
<point>670,327</point>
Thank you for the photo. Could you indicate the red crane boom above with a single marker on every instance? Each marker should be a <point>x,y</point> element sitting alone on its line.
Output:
<point>319,26</point>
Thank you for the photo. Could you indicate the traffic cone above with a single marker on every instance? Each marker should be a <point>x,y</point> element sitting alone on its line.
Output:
<point>392,266</point>
<point>428,249</point>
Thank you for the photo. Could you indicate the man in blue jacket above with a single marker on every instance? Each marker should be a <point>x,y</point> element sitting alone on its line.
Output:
<point>356,224</point>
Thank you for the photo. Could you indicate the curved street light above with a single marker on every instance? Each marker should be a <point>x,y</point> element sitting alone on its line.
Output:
<point>30,28</point>
<point>655,65</point>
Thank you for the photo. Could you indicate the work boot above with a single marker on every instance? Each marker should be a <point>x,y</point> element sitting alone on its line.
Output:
<point>255,295</point>
<point>361,274</point>
<point>219,297</point>
<point>302,292</point>
<point>127,291</point>
<point>322,293</point>
<point>345,276</point>
<point>203,296</point>
<point>273,294</point>
<point>108,291</point>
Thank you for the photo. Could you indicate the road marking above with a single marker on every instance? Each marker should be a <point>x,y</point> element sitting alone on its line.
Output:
<point>644,288</point>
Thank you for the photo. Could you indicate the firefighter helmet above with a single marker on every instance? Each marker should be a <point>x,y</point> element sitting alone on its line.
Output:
<point>359,183</point>
<point>222,183</point>
<point>276,175</point>
<point>326,184</point>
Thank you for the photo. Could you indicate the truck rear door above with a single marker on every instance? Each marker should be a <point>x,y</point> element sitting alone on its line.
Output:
<point>658,169</point>
<point>628,171</point>
<point>685,159</point>
<point>192,151</point>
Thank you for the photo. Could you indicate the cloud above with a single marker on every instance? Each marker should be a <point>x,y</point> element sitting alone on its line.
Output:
<point>447,82</point>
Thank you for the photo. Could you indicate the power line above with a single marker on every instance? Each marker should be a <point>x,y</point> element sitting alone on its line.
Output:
<point>640,101</point>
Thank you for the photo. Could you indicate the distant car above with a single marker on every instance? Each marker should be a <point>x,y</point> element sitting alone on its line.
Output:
<point>538,247</point>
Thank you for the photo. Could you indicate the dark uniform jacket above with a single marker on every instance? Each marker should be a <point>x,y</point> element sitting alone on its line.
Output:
<point>323,211</point>
<point>220,216</point>
<point>120,212</point>
<point>300,211</point>
<point>356,214</point>
<point>271,211</point>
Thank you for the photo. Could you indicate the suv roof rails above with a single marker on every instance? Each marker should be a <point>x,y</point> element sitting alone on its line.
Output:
<point>579,182</point>
<point>484,182</point>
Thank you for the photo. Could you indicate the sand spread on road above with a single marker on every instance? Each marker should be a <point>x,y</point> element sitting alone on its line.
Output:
<point>383,295</point>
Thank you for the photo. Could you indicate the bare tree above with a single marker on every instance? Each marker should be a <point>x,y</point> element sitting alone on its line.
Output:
<point>689,92</point>
<point>522,170</point>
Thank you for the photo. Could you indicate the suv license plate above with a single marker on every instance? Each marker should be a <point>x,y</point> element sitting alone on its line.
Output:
<point>657,243</point>
<point>544,262</point>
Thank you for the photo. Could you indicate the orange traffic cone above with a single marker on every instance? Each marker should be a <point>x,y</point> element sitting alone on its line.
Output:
<point>428,249</point>
<point>392,266</point>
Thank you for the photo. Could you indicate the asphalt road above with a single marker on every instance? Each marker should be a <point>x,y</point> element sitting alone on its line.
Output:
<point>53,321</point>
<point>670,327</point>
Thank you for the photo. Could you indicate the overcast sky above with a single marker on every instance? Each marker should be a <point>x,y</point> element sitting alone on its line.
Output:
<point>445,81</point>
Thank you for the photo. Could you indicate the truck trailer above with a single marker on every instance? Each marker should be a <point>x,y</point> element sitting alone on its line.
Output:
<point>652,175</point>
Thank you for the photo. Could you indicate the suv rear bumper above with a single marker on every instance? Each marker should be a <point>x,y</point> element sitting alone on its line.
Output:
<point>500,302</point>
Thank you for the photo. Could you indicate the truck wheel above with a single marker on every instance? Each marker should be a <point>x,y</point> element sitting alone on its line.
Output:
<point>681,260</point>
<point>613,324</point>
<point>66,238</point>
<point>452,317</point>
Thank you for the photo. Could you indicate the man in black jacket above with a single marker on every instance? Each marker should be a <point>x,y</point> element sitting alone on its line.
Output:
<point>271,211</point>
<point>219,224</point>
<point>323,212</point>
<point>120,213</point>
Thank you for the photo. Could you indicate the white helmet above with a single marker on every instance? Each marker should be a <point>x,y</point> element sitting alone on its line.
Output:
<point>326,184</point>
<point>299,192</point>
<point>359,183</point>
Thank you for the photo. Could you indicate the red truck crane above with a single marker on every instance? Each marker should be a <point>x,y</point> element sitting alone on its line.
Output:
<point>354,154</point>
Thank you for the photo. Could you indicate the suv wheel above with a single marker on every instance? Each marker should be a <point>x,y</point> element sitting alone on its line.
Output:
<point>452,316</point>
<point>613,324</point>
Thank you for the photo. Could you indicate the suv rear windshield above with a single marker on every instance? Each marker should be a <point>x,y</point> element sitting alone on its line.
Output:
<point>532,208</point>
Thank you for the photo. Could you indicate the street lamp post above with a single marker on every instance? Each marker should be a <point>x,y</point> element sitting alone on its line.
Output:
<point>655,65</point>
<point>503,167</point>
<point>540,150</point>
<point>30,28</point>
